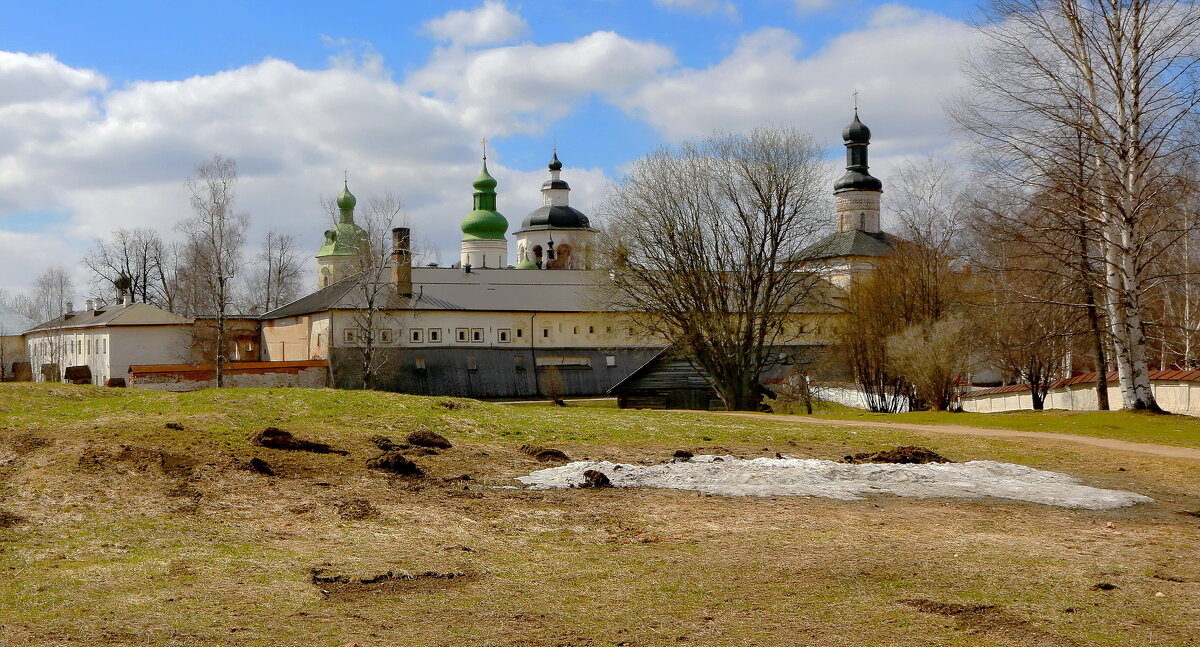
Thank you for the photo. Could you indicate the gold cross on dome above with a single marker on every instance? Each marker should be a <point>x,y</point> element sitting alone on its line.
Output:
<point>484,141</point>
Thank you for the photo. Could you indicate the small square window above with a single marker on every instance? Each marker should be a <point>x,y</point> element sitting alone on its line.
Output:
<point>435,335</point>
<point>545,332</point>
<point>520,332</point>
<point>471,365</point>
<point>575,330</point>
<point>416,335</point>
<point>419,363</point>
<point>477,335</point>
<point>460,334</point>
<point>383,335</point>
<point>351,336</point>
<point>502,335</point>
<point>591,330</point>
<point>610,360</point>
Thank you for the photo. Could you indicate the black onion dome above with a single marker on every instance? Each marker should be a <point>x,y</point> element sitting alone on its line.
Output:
<point>857,181</point>
<point>856,132</point>
<point>556,217</point>
<point>555,165</point>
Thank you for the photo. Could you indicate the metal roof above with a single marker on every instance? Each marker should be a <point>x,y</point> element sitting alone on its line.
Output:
<point>850,243</point>
<point>136,314</point>
<point>444,288</point>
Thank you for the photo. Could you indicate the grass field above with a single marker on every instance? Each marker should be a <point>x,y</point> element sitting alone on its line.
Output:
<point>115,530</point>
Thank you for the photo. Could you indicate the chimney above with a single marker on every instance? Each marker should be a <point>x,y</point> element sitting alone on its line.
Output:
<point>70,308</point>
<point>402,261</point>
<point>126,299</point>
<point>89,305</point>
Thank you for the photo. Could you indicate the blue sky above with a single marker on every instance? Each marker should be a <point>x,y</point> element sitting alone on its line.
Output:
<point>106,107</point>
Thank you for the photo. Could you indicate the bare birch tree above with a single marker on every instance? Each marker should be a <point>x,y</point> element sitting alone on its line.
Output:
<point>132,253</point>
<point>1120,75</point>
<point>700,237</point>
<point>275,278</point>
<point>214,237</point>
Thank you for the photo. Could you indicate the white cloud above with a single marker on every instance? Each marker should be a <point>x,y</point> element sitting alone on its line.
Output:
<point>490,24</point>
<point>517,89</point>
<point>107,158</point>
<point>700,6</point>
<point>119,158</point>
<point>903,63</point>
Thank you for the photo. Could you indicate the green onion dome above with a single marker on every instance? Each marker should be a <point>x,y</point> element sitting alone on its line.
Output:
<point>346,200</point>
<point>484,222</point>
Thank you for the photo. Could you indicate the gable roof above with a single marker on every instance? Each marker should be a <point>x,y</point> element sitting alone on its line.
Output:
<point>134,314</point>
<point>850,243</point>
<point>13,322</point>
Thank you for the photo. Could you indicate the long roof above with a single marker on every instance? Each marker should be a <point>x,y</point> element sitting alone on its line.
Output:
<point>135,314</point>
<point>444,288</point>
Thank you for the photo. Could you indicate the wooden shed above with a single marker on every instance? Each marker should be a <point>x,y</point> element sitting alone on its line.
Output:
<point>669,381</point>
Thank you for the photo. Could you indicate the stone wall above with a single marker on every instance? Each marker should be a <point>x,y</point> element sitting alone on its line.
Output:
<point>189,377</point>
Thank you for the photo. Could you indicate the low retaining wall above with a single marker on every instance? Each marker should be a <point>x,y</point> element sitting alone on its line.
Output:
<point>1175,391</point>
<point>192,377</point>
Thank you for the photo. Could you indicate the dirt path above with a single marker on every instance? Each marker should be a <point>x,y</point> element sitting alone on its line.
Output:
<point>1168,451</point>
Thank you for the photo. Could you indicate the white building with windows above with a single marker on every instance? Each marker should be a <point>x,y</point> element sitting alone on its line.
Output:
<point>107,340</point>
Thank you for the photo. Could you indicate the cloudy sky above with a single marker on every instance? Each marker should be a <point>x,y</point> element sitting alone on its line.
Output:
<point>105,108</point>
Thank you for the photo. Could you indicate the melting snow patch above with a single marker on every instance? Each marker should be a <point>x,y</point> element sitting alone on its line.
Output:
<point>727,475</point>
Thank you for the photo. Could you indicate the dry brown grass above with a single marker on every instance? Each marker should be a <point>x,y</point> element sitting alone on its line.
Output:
<point>132,546</point>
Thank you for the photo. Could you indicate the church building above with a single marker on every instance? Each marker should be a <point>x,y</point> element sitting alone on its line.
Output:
<point>487,328</point>
<point>858,241</point>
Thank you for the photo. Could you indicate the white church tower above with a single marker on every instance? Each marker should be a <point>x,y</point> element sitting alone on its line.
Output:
<point>556,236</point>
<point>484,229</point>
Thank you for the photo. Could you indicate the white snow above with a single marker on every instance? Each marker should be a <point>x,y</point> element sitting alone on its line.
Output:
<point>786,476</point>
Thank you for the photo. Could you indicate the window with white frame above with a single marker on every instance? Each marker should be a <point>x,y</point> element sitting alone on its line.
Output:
<point>477,335</point>
<point>383,335</point>
<point>351,336</point>
<point>435,335</point>
<point>502,335</point>
<point>416,335</point>
<point>461,335</point>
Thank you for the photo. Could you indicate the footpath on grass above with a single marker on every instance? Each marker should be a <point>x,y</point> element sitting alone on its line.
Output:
<point>1167,451</point>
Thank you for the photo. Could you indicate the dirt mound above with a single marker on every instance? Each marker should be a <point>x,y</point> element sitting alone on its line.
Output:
<point>386,444</point>
<point>545,454</point>
<point>451,405</point>
<point>356,509</point>
<point>343,586</point>
<point>257,464</point>
<point>595,478</point>
<point>682,453</point>
<point>275,438</point>
<point>396,463</point>
<point>425,438</point>
<point>174,425</point>
<point>10,519</point>
<point>911,454</point>
<point>948,609</point>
